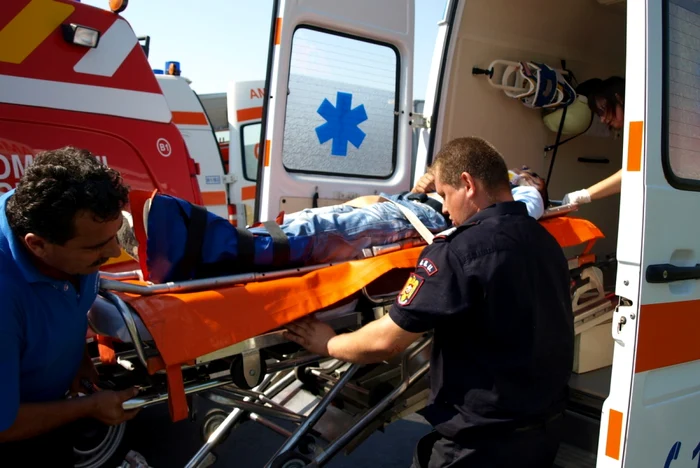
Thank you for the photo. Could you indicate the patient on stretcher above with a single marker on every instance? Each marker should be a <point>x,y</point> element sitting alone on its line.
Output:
<point>183,241</point>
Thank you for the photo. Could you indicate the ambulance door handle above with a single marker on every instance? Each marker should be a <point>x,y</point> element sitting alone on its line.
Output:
<point>667,273</point>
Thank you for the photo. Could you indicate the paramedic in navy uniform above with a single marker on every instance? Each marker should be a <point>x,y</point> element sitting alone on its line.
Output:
<point>495,291</point>
<point>56,229</point>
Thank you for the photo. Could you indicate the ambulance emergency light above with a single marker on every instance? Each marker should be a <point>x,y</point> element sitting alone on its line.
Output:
<point>80,35</point>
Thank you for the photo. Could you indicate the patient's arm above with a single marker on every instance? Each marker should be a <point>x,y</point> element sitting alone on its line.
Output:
<point>375,342</point>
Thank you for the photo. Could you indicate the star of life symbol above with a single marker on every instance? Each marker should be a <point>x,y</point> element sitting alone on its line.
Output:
<point>341,124</point>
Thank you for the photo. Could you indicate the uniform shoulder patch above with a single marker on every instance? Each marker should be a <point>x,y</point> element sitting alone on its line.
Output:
<point>445,234</point>
<point>428,265</point>
<point>410,290</point>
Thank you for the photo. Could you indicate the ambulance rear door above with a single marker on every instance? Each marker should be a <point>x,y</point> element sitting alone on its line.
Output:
<point>651,416</point>
<point>245,104</point>
<point>338,110</point>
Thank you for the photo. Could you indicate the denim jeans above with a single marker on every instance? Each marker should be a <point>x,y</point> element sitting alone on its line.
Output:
<point>317,235</point>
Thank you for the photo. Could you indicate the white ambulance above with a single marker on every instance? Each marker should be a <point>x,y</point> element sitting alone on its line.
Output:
<point>222,134</point>
<point>337,122</point>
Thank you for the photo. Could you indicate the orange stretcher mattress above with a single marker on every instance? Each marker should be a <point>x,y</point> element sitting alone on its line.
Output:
<point>187,326</point>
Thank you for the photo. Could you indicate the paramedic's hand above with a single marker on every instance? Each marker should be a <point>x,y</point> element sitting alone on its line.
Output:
<point>425,184</point>
<point>107,406</point>
<point>579,197</point>
<point>310,333</point>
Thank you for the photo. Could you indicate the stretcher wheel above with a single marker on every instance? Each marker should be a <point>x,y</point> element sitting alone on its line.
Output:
<point>212,420</point>
<point>290,460</point>
<point>248,370</point>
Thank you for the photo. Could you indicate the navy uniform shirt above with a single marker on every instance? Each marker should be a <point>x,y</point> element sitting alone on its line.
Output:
<point>495,291</point>
<point>43,326</point>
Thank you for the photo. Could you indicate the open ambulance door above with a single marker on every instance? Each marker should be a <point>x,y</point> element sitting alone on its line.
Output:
<point>430,128</point>
<point>337,111</point>
<point>651,416</point>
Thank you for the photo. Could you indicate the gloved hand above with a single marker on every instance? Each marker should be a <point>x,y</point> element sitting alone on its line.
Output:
<point>578,197</point>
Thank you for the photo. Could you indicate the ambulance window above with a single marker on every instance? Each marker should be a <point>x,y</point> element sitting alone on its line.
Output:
<point>682,93</point>
<point>341,104</point>
<point>250,142</point>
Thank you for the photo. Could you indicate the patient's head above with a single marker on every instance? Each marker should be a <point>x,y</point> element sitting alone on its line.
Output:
<point>470,175</point>
<point>527,176</point>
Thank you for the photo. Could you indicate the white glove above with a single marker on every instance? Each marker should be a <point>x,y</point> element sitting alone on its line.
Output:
<point>578,197</point>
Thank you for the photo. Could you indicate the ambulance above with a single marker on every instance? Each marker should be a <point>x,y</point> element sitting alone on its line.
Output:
<point>337,121</point>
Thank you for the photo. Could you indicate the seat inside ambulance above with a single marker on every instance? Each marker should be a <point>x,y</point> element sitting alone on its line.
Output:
<point>586,38</point>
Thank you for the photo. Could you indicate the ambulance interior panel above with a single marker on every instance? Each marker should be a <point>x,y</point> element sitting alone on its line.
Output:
<point>590,37</point>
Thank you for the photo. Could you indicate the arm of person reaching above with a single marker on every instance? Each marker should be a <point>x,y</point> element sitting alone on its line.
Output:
<point>418,308</point>
<point>33,419</point>
<point>602,189</point>
<point>375,342</point>
<point>25,420</point>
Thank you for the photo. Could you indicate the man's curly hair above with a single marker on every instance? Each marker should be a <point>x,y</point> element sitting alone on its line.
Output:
<point>57,186</point>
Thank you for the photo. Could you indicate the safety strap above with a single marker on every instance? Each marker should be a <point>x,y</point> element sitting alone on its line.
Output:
<point>280,244</point>
<point>196,227</point>
<point>413,219</point>
<point>246,247</point>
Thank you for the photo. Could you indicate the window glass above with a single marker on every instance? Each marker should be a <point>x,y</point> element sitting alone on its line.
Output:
<point>250,142</point>
<point>683,88</point>
<point>340,116</point>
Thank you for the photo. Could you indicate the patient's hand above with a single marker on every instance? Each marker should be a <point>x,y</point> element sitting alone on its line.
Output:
<point>310,333</point>
<point>425,184</point>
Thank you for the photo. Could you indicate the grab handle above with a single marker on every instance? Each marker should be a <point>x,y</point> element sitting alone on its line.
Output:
<point>667,273</point>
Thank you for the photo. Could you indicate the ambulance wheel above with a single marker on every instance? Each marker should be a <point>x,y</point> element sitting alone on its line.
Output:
<point>212,420</point>
<point>248,377</point>
<point>290,460</point>
<point>98,445</point>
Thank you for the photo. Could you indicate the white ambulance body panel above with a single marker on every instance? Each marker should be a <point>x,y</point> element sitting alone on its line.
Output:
<point>192,121</point>
<point>245,101</point>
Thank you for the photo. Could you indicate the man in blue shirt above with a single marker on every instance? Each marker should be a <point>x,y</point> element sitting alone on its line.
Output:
<point>56,229</point>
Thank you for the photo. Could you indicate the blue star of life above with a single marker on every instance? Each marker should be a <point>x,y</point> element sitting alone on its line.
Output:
<point>341,124</point>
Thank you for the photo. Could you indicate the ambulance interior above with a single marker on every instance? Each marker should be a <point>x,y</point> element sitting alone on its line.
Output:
<point>590,36</point>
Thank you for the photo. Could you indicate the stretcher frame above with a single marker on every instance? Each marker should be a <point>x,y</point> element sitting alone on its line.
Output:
<point>591,306</point>
<point>257,402</point>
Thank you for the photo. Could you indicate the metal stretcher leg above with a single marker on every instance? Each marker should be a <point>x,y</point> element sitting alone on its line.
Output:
<point>316,414</point>
<point>236,414</point>
<point>407,380</point>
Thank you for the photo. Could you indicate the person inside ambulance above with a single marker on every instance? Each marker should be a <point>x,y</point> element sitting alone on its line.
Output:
<point>495,291</point>
<point>606,100</point>
<point>56,229</point>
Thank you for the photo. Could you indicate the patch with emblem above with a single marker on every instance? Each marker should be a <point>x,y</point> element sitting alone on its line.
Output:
<point>410,290</point>
<point>428,266</point>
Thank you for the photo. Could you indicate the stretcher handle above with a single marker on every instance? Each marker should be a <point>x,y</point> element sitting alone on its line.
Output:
<point>130,324</point>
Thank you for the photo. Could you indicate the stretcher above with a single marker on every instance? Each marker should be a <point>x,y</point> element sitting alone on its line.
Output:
<point>221,339</point>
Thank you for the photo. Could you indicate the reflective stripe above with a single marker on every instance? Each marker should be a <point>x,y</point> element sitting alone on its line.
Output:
<point>114,47</point>
<point>84,98</point>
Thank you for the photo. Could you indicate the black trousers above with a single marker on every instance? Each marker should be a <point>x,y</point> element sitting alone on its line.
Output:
<point>534,447</point>
<point>53,449</point>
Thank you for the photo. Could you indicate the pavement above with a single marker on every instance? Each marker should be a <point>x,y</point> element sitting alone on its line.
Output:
<point>166,444</point>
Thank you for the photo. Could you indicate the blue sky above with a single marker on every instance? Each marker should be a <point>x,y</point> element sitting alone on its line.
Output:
<point>217,41</point>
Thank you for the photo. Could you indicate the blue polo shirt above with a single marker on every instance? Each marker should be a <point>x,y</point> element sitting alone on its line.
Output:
<point>43,323</point>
